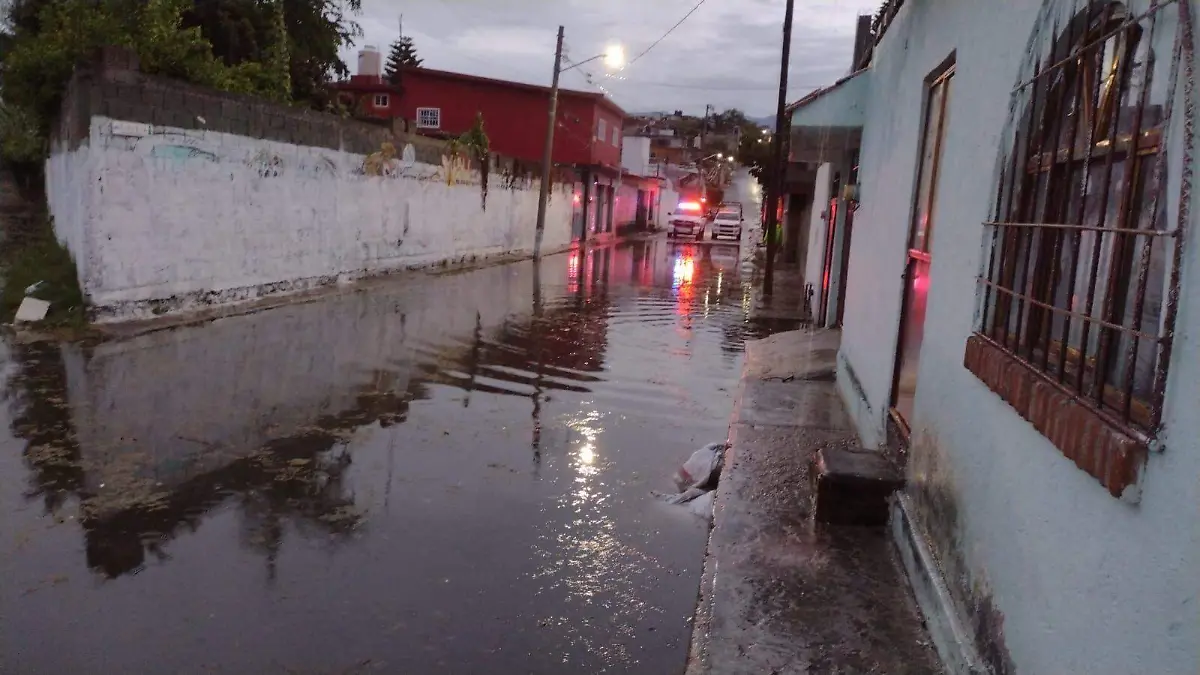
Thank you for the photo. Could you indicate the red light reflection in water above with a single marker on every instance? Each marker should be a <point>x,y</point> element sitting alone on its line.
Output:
<point>684,272</point>
<point>573,273</point>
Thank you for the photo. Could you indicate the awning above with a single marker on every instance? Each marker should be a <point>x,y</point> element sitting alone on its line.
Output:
<point>828,122</point>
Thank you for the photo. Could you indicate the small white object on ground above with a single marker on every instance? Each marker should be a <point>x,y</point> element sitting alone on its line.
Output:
<point>701,468</point>
<point>32,288</point>
<point>697,480</point>
<point>31,309</point>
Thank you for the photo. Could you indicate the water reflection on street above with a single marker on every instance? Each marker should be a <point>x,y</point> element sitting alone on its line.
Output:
<point>448,474</point>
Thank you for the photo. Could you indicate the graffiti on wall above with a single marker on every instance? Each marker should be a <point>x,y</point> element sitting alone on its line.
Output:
<point>175,146</point>
<point>178,147</point>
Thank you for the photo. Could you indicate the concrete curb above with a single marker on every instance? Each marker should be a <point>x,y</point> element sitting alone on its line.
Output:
<point>954,644</point>
<point>780,593</point>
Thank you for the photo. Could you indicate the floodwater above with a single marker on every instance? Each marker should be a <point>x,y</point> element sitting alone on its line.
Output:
<point>450,474</point>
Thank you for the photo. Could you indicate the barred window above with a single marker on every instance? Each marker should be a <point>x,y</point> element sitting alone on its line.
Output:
<point>1080,281</point>
<point>429,118</point>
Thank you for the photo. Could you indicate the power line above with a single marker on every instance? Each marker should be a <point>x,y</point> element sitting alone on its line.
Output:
<point>673,85</point>
<point>664,36</point>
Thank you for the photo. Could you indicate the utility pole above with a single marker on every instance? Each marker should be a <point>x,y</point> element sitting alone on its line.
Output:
<point>548,152</point>
<point>775,181</point>
<point>704,129</point>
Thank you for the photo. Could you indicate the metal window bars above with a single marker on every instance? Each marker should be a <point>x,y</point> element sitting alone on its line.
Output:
<point>1079,284</point>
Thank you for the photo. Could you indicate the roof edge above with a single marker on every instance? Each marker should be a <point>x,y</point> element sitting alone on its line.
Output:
<point>469,77</point>
<point>816,94</point>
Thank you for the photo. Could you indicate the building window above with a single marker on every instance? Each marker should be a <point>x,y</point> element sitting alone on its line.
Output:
<point>1079,282</point>
<point>616,136</point>
<point>381,100</point>
<point>429,118</point>
<point>600,129</point>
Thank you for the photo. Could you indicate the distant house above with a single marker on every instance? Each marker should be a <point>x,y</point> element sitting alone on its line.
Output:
<point>445,104</point>
<point>368,94</point>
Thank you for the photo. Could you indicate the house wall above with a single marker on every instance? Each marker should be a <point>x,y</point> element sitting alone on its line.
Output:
<point>667,200</point>
<point>1053,574</point>
<point>818,231</point>
<point>360,92</point>
<point>635,155</point>
<point>515,116</point>
<point>191,198</point>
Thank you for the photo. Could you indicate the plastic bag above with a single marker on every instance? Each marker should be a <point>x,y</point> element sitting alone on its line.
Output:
<point>702,469</point>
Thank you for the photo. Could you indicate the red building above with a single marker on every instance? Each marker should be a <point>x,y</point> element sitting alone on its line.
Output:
<point>440,103</point>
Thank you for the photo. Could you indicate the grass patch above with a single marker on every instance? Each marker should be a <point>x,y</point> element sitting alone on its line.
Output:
<point>30,253</point>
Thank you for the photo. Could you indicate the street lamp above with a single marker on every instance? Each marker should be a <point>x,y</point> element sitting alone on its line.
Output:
<point>614,57</point>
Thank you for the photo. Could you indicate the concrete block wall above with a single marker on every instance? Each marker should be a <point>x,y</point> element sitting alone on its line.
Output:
<point>173,197</point>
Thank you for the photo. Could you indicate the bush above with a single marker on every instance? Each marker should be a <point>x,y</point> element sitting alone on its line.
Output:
<point>40,61</point>
<point>29,253</point>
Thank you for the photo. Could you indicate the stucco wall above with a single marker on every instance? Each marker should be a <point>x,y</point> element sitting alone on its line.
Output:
<point>154,213</point>
<point>1055,575</point>
<point>635,155</point>
<point>814,264</point>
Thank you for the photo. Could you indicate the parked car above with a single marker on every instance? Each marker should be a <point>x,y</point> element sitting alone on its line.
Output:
<point>687,220</point>
<point>728,223</point>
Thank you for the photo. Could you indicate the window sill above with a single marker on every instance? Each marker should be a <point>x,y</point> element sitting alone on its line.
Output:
<point>1107,453</point>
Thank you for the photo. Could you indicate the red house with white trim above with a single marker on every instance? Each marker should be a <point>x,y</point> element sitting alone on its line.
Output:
<point>441,103</point>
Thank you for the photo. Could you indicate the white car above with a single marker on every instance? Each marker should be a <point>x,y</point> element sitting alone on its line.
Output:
<point>687,220</point>
<point>728,223</point>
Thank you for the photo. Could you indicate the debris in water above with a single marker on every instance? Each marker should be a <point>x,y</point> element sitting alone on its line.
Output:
<point>31,310</point>
<point>697,480</point>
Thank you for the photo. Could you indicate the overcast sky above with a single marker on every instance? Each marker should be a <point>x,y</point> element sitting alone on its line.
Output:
<point>726,53</point>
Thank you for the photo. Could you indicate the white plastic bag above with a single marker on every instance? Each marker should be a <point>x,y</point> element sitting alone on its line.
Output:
<point>702,469</point>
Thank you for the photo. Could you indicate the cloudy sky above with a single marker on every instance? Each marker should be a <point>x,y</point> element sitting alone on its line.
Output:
<point>726,53</point>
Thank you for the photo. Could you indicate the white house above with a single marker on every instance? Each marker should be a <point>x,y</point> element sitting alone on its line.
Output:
<point>1009,248</point>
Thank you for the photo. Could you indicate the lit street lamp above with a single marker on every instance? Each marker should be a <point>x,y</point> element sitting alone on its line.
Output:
<point>614,57</point>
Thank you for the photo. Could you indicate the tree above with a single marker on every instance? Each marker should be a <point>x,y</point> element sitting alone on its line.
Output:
<point>755,153</point>
<point>47,38</point>
<point>403,55</point>
<point>244,31</point>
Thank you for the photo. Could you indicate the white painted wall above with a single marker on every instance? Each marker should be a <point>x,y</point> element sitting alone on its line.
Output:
<point>818,230</point>
<point>635,155</point>
<point>208,217</point>
<point>1085,583</point>
<point>625,207</point>
<point>668,199</point>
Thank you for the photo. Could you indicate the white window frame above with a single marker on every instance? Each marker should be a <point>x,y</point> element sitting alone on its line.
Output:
<point>616,136</point>
<point>381,100</point>
<point>601,129</point>
<point>429,118</point>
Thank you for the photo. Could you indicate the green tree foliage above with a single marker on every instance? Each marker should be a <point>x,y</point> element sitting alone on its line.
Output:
<point>726,122</point>
<point>476,144</point>
<point>48,38</point>
<point>402,55</point>
<point>754,152</point>
<point>285,50</point>
<point>244,31</point>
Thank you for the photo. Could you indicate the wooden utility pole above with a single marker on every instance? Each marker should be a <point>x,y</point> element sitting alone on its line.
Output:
<point>548,152</point>
<point>775,176</point>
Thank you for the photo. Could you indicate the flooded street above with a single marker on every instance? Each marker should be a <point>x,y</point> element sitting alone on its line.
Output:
<point>449,474</point>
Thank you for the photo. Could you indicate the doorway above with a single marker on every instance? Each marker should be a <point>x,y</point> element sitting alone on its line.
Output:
<point>911,331</point>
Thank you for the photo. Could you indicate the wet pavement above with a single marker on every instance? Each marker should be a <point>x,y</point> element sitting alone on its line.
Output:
<point>451,474</point>
<point>781,593</point>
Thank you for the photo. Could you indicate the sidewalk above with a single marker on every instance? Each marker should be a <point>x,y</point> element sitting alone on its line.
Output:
<point>787,301</point>
<point>780,595</point>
